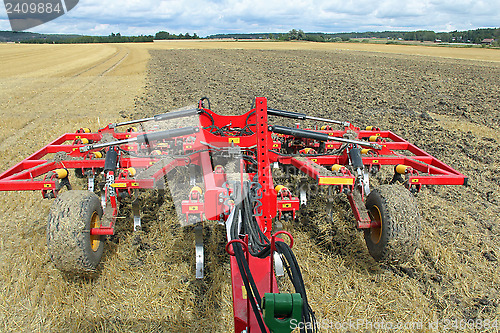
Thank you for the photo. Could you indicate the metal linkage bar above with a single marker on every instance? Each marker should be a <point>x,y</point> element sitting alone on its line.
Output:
<point>307,134</point>
<point>303,116</point>
<point>159,117</point>
<point>321,174</point>
<point>145,138</point>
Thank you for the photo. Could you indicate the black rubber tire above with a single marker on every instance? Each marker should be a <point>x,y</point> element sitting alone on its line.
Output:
<point>71,247</point>
<point>397,239</point>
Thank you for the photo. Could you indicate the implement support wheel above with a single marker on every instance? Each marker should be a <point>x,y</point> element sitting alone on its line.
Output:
<point>71,247</point>
<point>395,209</point>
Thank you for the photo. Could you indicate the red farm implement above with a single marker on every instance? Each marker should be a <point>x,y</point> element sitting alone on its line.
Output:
<point>230,162</point>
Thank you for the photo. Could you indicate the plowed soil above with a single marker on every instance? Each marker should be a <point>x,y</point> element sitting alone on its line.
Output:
<point>449,107</point>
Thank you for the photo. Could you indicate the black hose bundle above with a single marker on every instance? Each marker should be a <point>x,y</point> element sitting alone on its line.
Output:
<point>245,223</point>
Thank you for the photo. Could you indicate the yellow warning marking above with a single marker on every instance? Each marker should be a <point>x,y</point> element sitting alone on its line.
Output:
<point>47,185</point>
<point>234,140</point>
<point>330,134</point>
<point>189,147</point>
<point>335,181</point>
<point>415,180</point>
<point>243,292</point>
<point>151,163</point>
<point>78,137</point>
<point>314,160</point>
<point>375,161</point>
<point>134,184</point>
<point>329,146</point>
<point>74,149</point>
<point>287,205</point>
<point>119,185</point>
<point>193,207</point>
<point>127,136</point>
<point>276,145</point>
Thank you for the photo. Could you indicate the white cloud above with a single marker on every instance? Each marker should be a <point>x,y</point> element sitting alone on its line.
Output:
<point>394,9</point>
<point>132,17</point>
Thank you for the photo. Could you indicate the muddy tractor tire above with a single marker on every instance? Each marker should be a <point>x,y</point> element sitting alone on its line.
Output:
<point>71,247</point>
<point>396,240</point>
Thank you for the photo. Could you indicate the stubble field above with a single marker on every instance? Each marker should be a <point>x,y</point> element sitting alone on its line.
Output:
<point>449,107</point>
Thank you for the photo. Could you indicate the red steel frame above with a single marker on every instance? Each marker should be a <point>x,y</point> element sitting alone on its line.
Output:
<point>427,170</point>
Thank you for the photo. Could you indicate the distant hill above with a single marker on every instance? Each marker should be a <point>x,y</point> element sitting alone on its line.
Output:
<point>14,36</point>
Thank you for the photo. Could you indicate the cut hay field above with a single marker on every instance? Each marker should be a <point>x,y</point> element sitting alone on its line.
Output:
<point>444,100</point>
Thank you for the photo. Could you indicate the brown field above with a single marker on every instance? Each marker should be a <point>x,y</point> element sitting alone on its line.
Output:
<point>445,100</point>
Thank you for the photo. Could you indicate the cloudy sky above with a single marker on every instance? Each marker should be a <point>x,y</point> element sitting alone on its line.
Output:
<point>205,17</point>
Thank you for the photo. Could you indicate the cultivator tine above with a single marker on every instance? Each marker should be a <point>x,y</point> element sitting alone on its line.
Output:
<point>303,116</point>
<point>198,235</point>
<point>301,189</point>
<point>278,265</point>
<point>103,198</point>
<point>136,211</point>
<point>160,117</point>
<point>91,183</point>
<point>192,175</point>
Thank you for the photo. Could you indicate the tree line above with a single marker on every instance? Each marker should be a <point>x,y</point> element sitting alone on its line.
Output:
<point>112,38</point>
<point>469,36</point>
<point>163,35</point>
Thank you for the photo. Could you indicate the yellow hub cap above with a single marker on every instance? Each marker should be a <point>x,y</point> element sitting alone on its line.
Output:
<point>95,240</point>
<point>376,232</point>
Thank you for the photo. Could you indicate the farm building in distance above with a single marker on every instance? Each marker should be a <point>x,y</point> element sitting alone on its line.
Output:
<point>487,41</point>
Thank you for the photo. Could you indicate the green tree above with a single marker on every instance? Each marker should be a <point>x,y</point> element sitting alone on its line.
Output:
<point>301,35</point>
<point>162,35</point>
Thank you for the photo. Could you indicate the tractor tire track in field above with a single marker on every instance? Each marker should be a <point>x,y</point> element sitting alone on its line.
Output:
<point>94,79</point>
<point>118,53</point>
<point>109,64</point>
<point>60,83</point>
